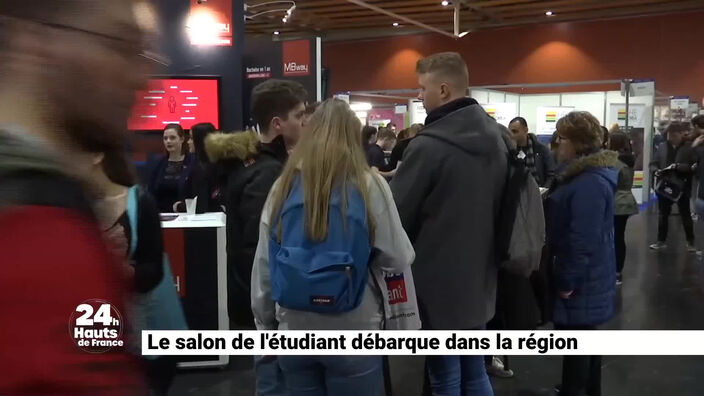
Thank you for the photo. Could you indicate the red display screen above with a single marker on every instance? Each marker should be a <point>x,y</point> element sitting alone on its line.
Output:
<point>175,101</point>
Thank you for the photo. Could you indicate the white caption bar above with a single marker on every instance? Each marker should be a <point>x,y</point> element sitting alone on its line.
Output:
<point>599,342</point>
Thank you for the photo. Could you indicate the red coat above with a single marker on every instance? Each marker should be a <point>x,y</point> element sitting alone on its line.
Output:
<point>52,259</point>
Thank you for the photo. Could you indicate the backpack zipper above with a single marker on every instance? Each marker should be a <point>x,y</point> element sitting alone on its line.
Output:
<point>348,273</point>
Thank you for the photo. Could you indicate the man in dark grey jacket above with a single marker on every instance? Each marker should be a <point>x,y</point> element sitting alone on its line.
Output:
<point>448,189</point>
<point>536,155</point>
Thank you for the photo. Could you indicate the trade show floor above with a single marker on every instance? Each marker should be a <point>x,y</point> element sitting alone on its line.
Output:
<point>661,291</point>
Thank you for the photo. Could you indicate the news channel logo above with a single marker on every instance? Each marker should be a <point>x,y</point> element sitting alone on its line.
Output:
<point>96,326</point>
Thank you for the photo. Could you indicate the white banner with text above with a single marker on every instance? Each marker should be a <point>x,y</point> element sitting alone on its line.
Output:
<point>348,342</point>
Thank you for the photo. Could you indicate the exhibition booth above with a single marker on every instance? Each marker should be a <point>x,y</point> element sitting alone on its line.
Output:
<point>206,72</point>
<point>628,103</point>
<point>632,112</point>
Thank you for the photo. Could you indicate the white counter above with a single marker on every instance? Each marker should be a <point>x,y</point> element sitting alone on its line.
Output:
<point>214,219</point>
<point>196,245</point>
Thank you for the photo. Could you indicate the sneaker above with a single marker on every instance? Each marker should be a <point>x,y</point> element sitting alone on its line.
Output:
<point>691,248</point>
<point>658,246</point>
<point>619,279</point>
<point>496,369</point>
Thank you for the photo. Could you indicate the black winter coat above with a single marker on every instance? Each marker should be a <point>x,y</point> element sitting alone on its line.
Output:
<point>254,167</point>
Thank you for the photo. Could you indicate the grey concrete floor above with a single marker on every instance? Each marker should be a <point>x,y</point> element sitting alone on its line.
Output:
<point>661,291</point>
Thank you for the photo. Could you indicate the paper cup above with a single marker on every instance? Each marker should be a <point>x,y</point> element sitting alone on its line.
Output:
<point>191,205</point>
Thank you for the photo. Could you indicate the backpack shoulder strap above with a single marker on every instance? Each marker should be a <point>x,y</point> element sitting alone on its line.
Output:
<point>132,214</point>
<point>505,218</point>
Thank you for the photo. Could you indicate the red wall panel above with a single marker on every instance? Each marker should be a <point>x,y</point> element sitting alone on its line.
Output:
<point>662,47</point>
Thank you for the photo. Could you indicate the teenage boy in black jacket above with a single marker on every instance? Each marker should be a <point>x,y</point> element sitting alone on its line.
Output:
<point>255,162</point>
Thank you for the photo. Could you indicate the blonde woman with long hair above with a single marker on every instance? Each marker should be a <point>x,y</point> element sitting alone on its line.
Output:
<point>328,216</point>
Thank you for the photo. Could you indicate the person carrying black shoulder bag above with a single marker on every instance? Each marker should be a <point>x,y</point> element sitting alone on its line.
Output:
<point>673,171</point>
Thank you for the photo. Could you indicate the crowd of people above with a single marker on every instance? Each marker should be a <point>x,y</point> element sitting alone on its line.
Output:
<point>318,214</point>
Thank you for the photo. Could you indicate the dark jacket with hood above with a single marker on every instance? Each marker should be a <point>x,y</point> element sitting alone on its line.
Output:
<point>53,257</point>
<point>254,167</point>
<point>448,189</point>
<point>544,162</point>
<point>625,203</point>
<point>580,230</point>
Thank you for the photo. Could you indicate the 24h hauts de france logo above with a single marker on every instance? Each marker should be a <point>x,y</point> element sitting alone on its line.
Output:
<point>96,326</point>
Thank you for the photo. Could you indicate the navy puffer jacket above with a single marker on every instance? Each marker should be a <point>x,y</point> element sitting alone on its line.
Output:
<point>581,237</point>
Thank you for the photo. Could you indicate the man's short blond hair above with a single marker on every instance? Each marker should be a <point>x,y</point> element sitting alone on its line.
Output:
<point>448,66</point>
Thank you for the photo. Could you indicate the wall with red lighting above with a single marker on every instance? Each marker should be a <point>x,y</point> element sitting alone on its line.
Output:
<point>666,48</point>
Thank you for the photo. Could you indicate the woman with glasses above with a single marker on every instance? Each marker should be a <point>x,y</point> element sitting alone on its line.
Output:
<point>580,230</point>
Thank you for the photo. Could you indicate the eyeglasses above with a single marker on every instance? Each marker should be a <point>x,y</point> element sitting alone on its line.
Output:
<point>144,53</point>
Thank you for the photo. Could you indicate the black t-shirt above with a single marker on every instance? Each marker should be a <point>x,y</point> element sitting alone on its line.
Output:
<point>375,157</point>
<point>397,153</point>
<point>167,188</point>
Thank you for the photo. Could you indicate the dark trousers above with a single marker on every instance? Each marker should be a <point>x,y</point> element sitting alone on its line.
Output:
<point>620,239</point>
<point>665,207</point>
<point>581,375</point>
<point>160,374</point>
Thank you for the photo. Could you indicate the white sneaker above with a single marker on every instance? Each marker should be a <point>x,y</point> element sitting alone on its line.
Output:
<point>692,249</point>
<point>659,246</point>
<point>496,369</point>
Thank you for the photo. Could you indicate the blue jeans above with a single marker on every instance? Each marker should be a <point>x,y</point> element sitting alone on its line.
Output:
<point>333,375</point>
<point>270,379</point>
<point>458,376</point>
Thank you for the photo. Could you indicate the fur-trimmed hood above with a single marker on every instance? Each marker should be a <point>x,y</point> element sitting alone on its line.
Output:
<point>601,160</point>
<point>227,146</point>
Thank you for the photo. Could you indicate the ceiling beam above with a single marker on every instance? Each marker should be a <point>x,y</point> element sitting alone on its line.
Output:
<point>367,34</point>
<point>572,5</point>
<point>364,11</point>
<point>401,17</point>
<point>456,19</point>
<point>667,8</point>
<point>479,10</point>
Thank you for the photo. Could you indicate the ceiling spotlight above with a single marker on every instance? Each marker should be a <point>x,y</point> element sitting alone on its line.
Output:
<point>276,33</point>
<point>548,13</point>
<point>445,3</point>
<point>395,24</point>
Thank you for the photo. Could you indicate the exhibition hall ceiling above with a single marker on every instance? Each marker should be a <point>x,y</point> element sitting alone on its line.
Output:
<point>349,19</point>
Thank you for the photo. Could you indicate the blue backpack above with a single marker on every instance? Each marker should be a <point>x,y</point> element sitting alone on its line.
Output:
<point>322,277</point>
